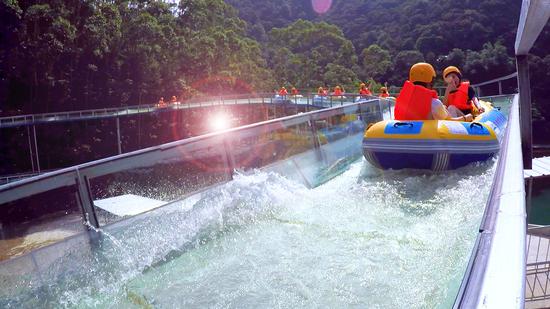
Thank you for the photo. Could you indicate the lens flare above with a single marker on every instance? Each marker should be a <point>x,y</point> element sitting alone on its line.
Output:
<point>220,122</point>
<point>321,6</point>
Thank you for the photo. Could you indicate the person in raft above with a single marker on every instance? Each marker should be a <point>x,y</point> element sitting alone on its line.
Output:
<point>418,100</point>
<point>294,91</point>
<point>459,94</point>
<point>338,91</point>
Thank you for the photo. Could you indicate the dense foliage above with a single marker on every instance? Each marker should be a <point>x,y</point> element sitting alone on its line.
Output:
<point>390,35</point>
<point>67,54</point>
<point>310,55</point>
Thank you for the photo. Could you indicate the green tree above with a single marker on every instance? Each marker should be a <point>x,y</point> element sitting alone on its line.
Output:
<point>403,62</point>
<point>302,53</point>
<point>376,62</point>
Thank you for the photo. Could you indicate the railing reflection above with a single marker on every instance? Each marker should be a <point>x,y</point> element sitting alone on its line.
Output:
<point>103,192</point>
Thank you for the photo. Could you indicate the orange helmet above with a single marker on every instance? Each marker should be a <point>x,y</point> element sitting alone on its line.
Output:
<point>422,72</point>
<point>451,69</point>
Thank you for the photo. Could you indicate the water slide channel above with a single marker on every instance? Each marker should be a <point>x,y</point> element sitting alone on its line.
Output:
<point>364,238</point>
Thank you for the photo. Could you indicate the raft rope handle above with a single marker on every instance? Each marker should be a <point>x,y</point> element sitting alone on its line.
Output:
<point>474,124</point>
<point>400,124</point>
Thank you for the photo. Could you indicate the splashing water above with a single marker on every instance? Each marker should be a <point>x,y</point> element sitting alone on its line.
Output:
<point>364,239</point>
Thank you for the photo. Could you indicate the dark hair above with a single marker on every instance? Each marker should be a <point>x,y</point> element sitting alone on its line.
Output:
<point>423,84</point>
<point>457,74</point>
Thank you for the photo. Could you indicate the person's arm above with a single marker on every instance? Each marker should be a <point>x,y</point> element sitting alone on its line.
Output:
<point>475,101</point>
<point>439,112</point>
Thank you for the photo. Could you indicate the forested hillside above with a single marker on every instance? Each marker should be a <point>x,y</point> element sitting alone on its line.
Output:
<point>390,35</point>
<point>475,35</point>
<point>67,54</point>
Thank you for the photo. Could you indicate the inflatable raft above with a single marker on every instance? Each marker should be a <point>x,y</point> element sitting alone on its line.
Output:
<point>434,144</point>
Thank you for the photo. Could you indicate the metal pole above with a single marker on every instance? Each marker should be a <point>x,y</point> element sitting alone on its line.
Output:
<point>86,199</point>
<point>528,198</point>
<point>36,149</point>
<point>525,110</point>
<point>499,87</point>
<point>30,147</point>
<point>118,135</point>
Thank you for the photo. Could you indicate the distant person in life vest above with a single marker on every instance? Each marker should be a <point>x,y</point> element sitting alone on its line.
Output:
<point>364,90</point>
<point>418,100</point>
<point>459,93</point>
<point>384,92</point>
<point>283,92</point>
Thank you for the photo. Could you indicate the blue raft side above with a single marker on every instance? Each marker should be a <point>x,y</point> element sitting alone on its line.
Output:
<point>397,161</point>
<point>393,160</point>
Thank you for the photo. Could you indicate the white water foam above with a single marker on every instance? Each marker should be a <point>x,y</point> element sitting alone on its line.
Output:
<point>365,239</point>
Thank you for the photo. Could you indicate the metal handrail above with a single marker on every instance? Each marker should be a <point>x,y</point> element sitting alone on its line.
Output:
<point>31,119</point>
<point>474,281</point>
<point>496,80</point>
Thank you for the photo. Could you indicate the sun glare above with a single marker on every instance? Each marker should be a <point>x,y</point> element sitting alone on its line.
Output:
<point>220,122</point>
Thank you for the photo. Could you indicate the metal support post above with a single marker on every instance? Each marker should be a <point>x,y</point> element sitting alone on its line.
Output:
<point>229,160</point>
<point>118,135</point>
<point>499,87</point>
<point>30,147</point>
<point>528,193</point>
<point>85,199</point>
<point>525,110</point>
<point>36,149</point>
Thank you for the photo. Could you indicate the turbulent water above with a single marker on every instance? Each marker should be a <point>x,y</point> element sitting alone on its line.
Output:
<point>365,239</point>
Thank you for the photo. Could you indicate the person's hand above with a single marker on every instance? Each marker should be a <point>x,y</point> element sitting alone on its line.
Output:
<point>451,86</point>
<point>468,118</point>
<point>481,110</point>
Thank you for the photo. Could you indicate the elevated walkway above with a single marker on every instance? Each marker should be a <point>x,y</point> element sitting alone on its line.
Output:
<point>104,113</point>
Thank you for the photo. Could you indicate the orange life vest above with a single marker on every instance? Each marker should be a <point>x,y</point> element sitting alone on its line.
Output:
<point>459,98</point>
<point>337,91</point>
<point>384,95</point>
<point>283,92</point>
<point>294,91</point>
<point>414,102</point>
<point>365,91</point>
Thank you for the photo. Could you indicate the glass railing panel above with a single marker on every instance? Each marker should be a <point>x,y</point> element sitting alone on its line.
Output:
<point>37,220</point>
<point>260,146</point>
<point>149,180</point>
